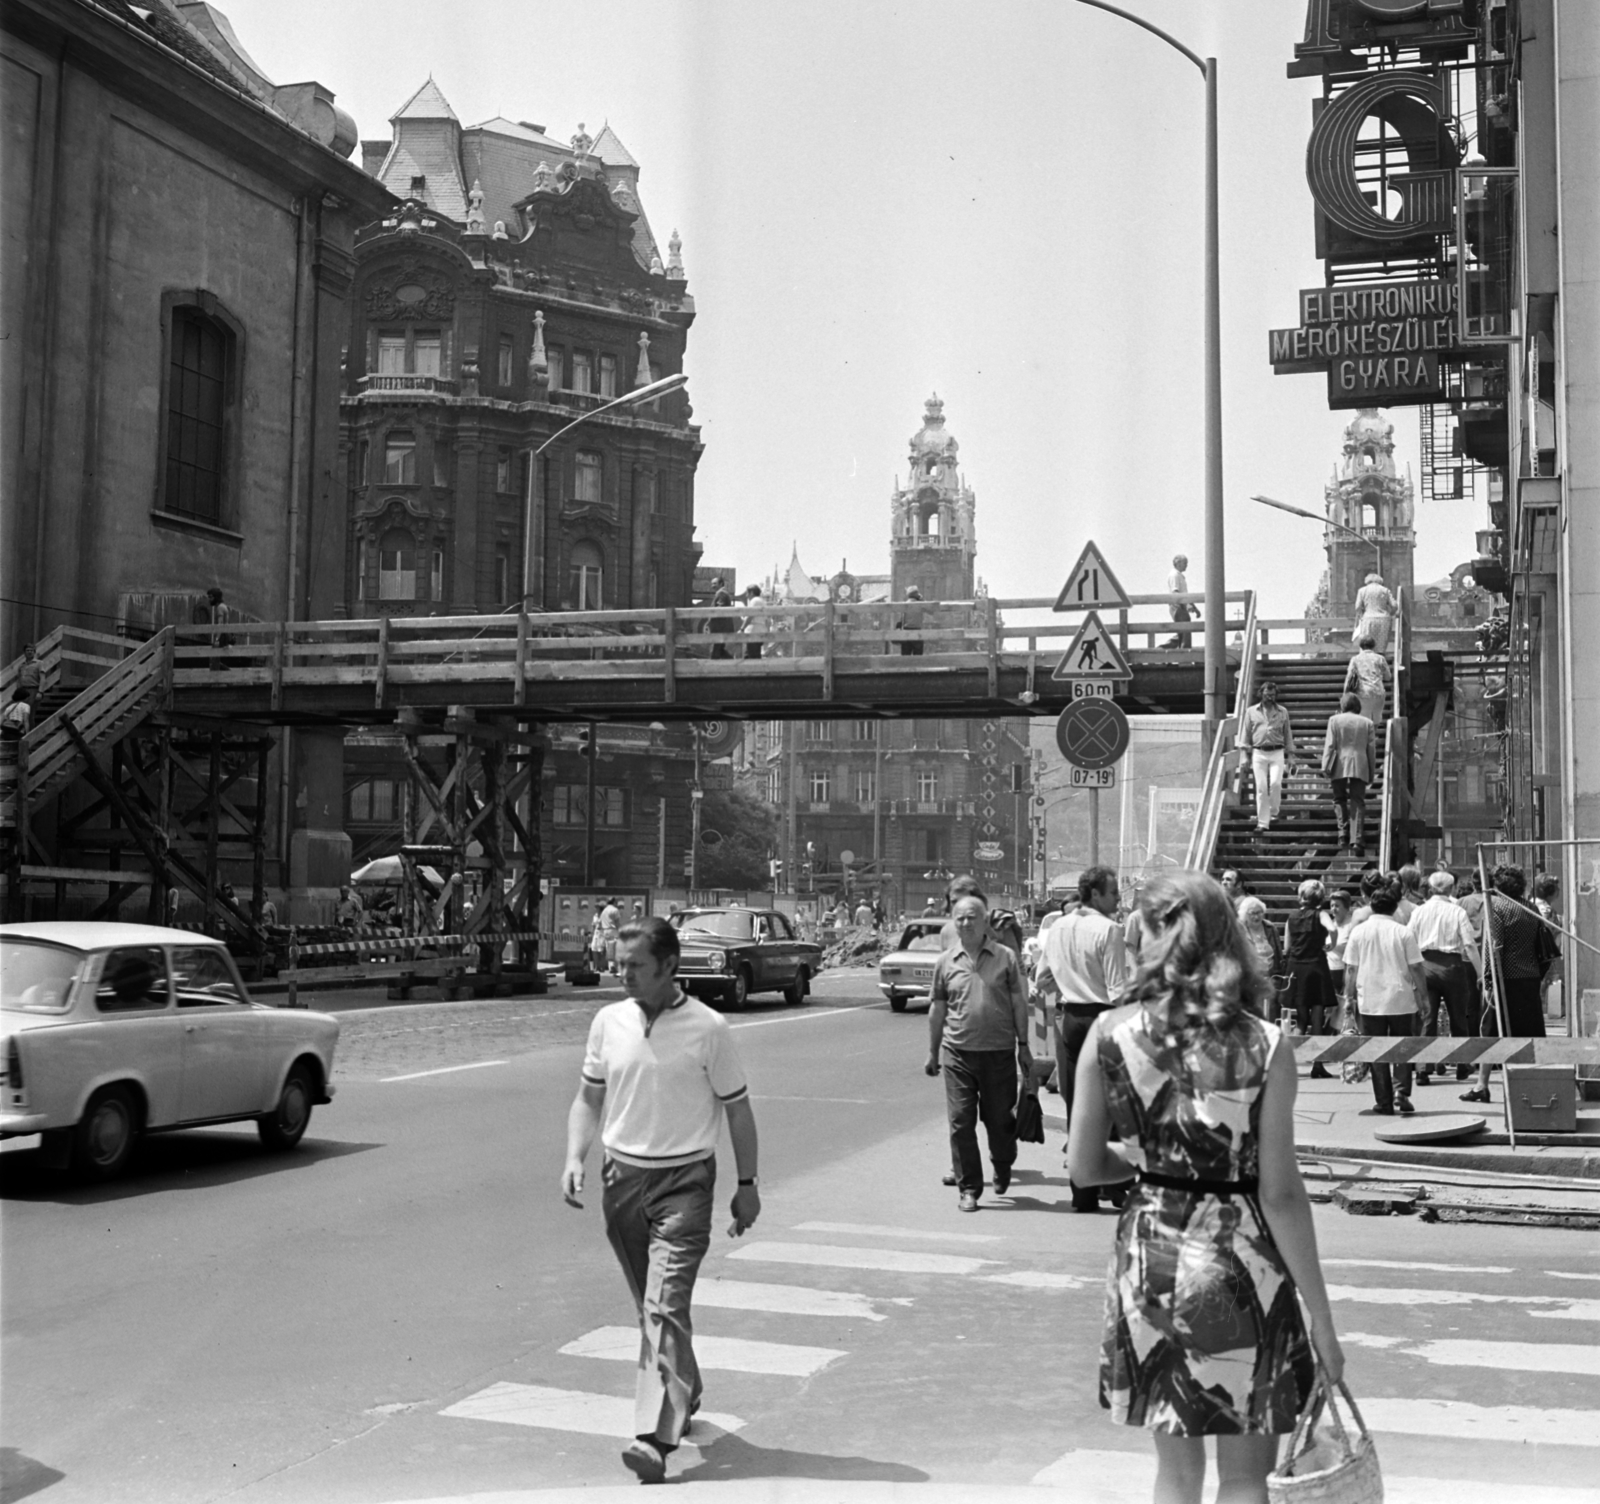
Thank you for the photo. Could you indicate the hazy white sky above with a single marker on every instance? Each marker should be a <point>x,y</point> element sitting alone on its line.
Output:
<point>999,203</point>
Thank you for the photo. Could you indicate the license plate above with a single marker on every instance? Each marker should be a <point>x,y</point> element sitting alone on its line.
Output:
<point>923,976</point>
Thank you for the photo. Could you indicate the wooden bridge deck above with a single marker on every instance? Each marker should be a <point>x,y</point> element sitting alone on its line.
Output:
<point>818,660</point>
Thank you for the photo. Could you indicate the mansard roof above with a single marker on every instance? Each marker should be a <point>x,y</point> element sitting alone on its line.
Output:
<point>609,148</point>
<point>428,103</point>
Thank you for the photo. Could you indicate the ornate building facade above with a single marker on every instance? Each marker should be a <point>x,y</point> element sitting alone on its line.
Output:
<point>895,807</point>
<point>517,288</point>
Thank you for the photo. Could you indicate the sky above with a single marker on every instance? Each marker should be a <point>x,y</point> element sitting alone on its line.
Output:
<point>1002,204</point>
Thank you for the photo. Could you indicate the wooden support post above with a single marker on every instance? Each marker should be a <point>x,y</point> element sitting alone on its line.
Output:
<point>1430,751</point>
<point>827,650</point>
<point>993,625</point>
<point>491,834</point>
<point>279,646</point>
<point>520,692</point>
<point>669,656</point>
<point>114,853</point>
<point>258,846</point>
<point>213,810</point>
<point>383,662</point>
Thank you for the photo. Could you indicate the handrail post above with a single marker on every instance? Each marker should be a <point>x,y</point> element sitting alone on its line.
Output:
<point>827,650</point>
<point>994,650</point>
<point>520,694</point>
<point>669,656</point>
<point>383,662</point>
<point>279,646</point>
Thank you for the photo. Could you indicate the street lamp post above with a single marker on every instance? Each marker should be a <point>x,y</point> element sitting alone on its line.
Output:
<point>628,399</point>
<point>1216,669</point>
<point>1375,543</point>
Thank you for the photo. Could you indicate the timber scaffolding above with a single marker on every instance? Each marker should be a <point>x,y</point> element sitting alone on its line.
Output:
<point>146,768</point>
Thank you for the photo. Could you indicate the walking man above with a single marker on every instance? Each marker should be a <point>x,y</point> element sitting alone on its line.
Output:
<point>1383,976</point>
<point>1523,950</point>
<point>1450,964</point>
<point>978,1035</point>
<point>1349,759</point>
<point>1368,678</point>
<point>1178,584</point>
<point>610,922</point>
<point>1087,955</point>
<point>1268,733</point>
<point>659,1071</point>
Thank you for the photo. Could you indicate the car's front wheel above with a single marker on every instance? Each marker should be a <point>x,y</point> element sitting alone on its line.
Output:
<point>286,1124</point>
<point>737,993</point>
<point>103,1141</point>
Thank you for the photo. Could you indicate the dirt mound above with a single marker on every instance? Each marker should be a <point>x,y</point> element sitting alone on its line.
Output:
<point>857,947</point>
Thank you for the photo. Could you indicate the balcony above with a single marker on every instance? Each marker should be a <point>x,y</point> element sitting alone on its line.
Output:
<point>404,386</point>
<point>930,806</point>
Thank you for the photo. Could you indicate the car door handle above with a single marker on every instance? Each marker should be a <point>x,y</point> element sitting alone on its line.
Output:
<point>191,1028</point>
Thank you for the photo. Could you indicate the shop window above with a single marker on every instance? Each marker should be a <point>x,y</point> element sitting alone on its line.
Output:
<point>397,566</point>
<point>587,570</point>
<point>608,375</point>
<point>199,384</point>
<point>400,458</point>
<point>586,476</point>
<point>507,357</point>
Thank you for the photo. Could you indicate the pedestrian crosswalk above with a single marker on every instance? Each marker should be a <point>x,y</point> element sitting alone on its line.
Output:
<point>1461,1369</point>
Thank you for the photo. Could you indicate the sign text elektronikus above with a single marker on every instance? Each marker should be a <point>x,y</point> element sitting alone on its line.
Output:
<point>1379,343</point>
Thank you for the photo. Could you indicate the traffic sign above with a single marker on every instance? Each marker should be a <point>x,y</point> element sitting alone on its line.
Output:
<point>1092,778</point>
<point>1087,689</point>
<point>1094,654</point>
<point>1092,733</point>
<point>1092,586</point>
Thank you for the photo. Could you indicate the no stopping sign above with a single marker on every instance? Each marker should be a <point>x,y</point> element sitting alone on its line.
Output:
<point>1092,733</point>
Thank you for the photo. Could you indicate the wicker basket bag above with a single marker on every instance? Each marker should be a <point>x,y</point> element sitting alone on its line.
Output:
<point>1330,1465</point>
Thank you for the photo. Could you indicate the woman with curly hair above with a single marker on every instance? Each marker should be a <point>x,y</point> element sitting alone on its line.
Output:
<point>1204,1335</point>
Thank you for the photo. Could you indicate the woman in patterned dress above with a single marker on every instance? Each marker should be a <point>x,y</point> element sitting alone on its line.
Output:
<point>1203,1334</point>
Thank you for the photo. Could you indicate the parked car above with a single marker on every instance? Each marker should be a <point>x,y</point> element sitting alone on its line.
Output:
<point>727,954</point>
<point>111,1031</point>
<point>905,974</point>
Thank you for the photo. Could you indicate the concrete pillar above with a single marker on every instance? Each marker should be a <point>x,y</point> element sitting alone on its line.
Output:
<point>319,849</point>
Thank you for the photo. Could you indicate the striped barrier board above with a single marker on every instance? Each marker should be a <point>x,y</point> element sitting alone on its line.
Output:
<point>373,939</point>
<point>1358,1049</point>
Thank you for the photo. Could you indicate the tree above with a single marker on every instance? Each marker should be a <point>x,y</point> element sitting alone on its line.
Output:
<point>748,828</point>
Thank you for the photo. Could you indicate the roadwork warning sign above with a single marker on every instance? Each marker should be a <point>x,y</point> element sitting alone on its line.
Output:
<point>1094,654</point>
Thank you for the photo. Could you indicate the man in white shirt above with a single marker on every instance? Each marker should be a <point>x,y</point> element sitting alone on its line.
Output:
<point>1383,976</point>
<point>1087,956</point>
<point>662,1069</point>
<point>1450,964</point>
<point>1267,732</point>
<point>1178,584</point>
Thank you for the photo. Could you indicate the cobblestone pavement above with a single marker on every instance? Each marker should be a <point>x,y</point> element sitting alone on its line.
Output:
<point>397,1038</point>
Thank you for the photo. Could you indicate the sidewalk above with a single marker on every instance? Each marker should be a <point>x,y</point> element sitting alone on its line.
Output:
<point>1334,1120</point>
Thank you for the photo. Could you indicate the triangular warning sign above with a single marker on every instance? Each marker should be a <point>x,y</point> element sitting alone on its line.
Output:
<point>1092,586</point>
<point>1093,655</point>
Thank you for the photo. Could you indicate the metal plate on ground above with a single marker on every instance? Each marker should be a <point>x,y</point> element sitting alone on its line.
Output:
<point>1430,1128</point>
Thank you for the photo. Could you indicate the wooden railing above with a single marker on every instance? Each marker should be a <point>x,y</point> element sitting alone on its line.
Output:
<point>1395,803</point>
<point>661,645</point>
<point>1215,793</point>
<point>123,692</point>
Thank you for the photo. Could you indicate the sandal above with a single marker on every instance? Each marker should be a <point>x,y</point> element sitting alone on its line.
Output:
<point>1477,1094</point>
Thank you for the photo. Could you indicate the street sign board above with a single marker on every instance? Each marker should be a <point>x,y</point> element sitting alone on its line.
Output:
<point>989,851</point>
<point>1092,586</point>
<point>1092,733</point>
<point>1091,778</point>
<point>1086,689</point>
<point>1094,654</point>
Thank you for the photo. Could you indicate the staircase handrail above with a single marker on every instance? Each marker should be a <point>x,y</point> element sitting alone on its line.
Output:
<point>118,692</point>
<point>47,654</point>
<point>1214,792</point>
<point>1395,803</point>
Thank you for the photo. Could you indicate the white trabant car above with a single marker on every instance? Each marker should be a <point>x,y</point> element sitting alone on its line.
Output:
<point>906,973</point>
<point>109,1031</point>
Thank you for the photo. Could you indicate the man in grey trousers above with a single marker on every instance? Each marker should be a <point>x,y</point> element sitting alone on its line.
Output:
<point>660,1070</point>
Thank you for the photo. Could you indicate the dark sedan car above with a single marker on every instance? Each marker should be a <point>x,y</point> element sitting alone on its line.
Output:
<point>727,954</point>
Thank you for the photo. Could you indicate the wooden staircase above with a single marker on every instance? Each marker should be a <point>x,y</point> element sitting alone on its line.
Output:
<point>1303,841</point>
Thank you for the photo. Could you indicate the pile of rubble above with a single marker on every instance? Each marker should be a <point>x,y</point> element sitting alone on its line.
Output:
<point>857,947</point>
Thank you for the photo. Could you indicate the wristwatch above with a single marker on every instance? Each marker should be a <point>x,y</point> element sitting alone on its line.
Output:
<point>753,1180</point>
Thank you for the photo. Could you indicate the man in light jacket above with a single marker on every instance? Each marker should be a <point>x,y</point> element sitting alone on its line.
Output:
<point>1349,757</point>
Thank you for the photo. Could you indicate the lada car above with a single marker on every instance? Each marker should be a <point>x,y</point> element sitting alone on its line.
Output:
<point>111,1031</point>
<point>906,973</point>
<point>728,954</point>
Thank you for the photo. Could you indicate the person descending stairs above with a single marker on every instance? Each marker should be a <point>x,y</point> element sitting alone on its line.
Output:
<point>1304,837</point>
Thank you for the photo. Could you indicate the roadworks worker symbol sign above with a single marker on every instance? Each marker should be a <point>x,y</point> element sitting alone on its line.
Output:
<point>1092,586</point>
<point>1093,655</point>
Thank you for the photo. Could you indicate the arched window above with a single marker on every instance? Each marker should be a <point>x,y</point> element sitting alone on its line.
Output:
<point>587,570</point>
<point>1369,515</point>
<point>397,566</point>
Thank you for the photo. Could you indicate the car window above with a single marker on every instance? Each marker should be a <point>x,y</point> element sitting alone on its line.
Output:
<point>780,927</point>
<point>36,977</point>
<point>917,938</point>
<point>203,977</point>
<point>725,923</point>
<point>133,980</point>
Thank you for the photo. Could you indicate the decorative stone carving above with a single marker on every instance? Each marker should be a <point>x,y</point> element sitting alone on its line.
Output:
<point>475,209</point>
<point>500,230</point>
<point>641,375</point>
<point>469,372</point>
<point>544,178</point>
<point>410,293</point>
<point>675,271</point>
<point>582,142</point>
<point>538,360</point>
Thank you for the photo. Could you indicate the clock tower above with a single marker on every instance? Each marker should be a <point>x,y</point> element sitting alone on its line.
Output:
<point>933,541</point>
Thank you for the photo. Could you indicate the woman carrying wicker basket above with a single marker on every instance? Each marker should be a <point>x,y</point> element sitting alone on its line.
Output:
<point>1204,1334</point>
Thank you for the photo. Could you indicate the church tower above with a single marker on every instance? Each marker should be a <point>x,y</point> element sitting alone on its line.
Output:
<point>1367,494</point>
<point>933,540</point>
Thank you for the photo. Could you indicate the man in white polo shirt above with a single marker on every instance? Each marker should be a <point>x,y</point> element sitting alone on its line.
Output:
<point>661,1069</point>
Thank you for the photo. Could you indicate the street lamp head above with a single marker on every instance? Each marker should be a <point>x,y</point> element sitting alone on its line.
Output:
<point>655,389</point>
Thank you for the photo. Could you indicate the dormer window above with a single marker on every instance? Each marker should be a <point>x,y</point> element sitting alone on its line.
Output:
<point>419,187</point>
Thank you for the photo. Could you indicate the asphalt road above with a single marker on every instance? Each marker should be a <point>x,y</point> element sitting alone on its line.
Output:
<point>228,1324</point>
